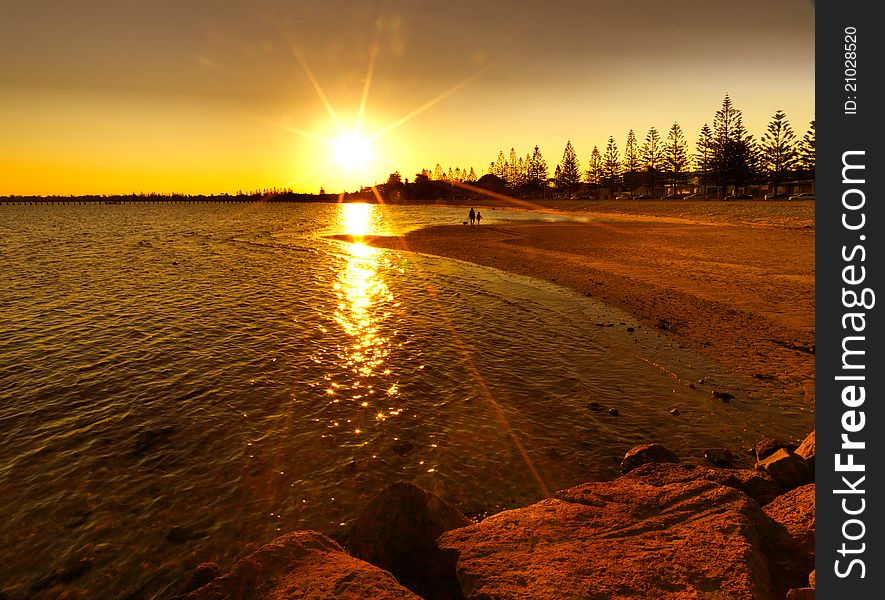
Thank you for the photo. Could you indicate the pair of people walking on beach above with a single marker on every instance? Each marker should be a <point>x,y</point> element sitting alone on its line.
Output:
<point>474,217</point>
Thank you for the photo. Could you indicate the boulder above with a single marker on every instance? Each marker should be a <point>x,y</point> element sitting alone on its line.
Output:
<point>646,453</point>
<point>756,484</point>
<point>721,457</point>
<point>766,447</point>
<point>806,449</point>
<point>788,469</point>
<point>625,538</point>
<point>795,511</point>
<point>306,565</point>
<point>397,531</point>
<point>801,594</point>
<point>203,574</point>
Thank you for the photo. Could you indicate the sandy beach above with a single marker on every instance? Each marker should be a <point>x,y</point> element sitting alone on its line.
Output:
<point>733,280</point>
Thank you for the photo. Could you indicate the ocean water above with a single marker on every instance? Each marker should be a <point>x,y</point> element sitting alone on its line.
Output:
<point>183,383</point>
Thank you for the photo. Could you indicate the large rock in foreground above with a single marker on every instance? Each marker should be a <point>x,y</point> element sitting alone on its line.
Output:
<point>795,511</point>
<point>626,538</point>
<point>304,565</point>
<point>397,531</point>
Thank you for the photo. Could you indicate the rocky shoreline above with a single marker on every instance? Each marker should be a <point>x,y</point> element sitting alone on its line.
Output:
<point>663,529</point>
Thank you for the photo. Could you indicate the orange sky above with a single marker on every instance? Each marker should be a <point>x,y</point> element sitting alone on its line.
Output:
<point>121,96</point>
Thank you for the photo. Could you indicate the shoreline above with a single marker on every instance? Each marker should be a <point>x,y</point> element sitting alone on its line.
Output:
<point>739,291</point>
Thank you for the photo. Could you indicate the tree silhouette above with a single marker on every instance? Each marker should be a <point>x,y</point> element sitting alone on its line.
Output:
<point>704,157</point>
<point>611,164</point>
<point>806,152</point>
<point>569,168</point>
<point>652,156</point>
<point>631,162</point>
<point>675,155</point>
<point>778,155</point>
<point>733,147</point>
<point>536,172</point>
<point>595,168</point>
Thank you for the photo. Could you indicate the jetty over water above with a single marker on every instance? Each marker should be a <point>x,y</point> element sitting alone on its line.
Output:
<point>262,197</point>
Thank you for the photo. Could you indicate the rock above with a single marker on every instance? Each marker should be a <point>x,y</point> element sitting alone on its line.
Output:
<point>203,574</point>
<point>795,511</point>
<point>806,449</point>
<point>623,539</point>
<point>801,594</point>
<point>788,469</point>
<point>674,411</point>
<point>812,579</point>
<point>646,453</point>
<point>302,564</point>
<point>148,440</point>
<point>179,534</point>
<point>758,485</point>
<point>402,448</point>
<point>614,412</point>
<point>721,457</point>
<point>767,447</point>
<point>594,406</point>
<point>397,532</point>
<point>724,396</point>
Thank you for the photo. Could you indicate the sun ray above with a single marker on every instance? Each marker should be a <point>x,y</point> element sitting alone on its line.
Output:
<point>313,80</point>
<point>429,104</point>
<point>373,55</point>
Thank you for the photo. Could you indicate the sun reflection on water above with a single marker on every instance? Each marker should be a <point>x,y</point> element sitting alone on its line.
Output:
<point>357,219</point>
<point>363,303</point>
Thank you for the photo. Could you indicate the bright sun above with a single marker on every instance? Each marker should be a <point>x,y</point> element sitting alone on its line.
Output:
<point>352,151</point>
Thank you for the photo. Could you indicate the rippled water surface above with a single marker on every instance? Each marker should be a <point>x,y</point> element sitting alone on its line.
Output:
<point>182,383</point>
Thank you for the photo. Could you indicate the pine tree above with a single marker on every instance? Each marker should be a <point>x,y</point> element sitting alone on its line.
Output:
<point>595,168</point>
<point>652,156</point>
<point>471,177</point>
<point>675,155</point>
<point>704,157</point>
<point>570,170</point>
<point>438,173</point>
<point>778,151</point>
<point>501,166</point>
<point>513,168</point>
<point>536,172</point>
<point>631,161</point>
<point>733,147</point>
<point>806,152</point>
<point>611,164</point>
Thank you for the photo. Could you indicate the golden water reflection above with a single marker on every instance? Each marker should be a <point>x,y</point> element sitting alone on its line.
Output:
<point>361,292</point>
<point>363,302</point>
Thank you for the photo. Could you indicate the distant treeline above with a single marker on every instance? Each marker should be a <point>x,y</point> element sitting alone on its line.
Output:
<point>727,157</point>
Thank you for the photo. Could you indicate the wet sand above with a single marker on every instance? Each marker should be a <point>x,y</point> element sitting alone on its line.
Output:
<point>734,281</point>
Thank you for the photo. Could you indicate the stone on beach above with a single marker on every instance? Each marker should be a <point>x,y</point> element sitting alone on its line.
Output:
<point>397,531</point>
<point>788,469</point>
<point>302,564</point>
<point>806,449</point>
<point>626,538</point>
<point>721,457</point>
<point>756,484</point>
<point>795,511</point>
<point>766,447</point>
<point>645,453</point>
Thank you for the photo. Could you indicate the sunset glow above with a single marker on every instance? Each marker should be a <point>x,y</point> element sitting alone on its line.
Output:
<point>352,151</point>
<point>300,97</point>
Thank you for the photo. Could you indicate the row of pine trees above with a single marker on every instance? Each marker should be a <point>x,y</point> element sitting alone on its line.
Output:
<point>726,156</point>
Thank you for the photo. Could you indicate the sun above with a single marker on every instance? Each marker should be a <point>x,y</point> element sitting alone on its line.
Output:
<point>352,151</point>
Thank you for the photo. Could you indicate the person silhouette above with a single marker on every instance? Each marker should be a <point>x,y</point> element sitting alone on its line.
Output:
<point>471,216</point>
<point>478,217</point>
